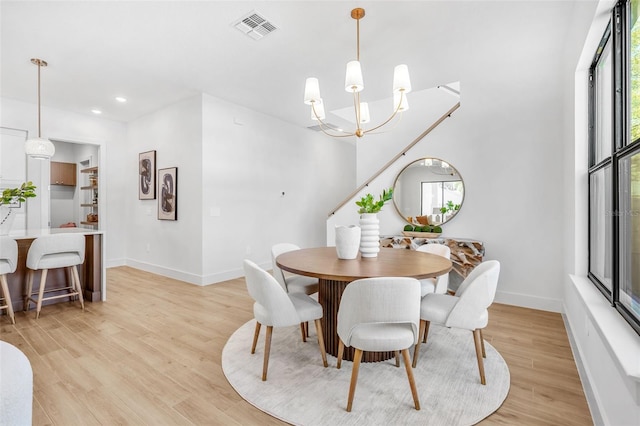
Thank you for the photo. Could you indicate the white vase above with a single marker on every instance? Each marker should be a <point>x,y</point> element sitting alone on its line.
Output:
<point>7,217</point>
<point>347,241</point>
<point>370,235</point>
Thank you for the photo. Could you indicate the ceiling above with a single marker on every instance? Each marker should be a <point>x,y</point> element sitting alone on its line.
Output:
<point>157,53</point>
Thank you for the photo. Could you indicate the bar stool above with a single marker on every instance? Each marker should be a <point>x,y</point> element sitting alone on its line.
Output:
<point>54,251</point>
<point>8,264</point>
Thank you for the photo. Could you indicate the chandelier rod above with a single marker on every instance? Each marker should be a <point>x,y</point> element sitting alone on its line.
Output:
<point>39,63</point>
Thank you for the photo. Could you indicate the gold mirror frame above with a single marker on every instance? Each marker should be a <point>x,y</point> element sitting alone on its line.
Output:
<point>438,172</point>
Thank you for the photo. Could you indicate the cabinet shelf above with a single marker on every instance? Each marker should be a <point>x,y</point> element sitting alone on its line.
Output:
<point>89,205</point>
<point>90,170</point>
<point>89,223</point>
<point>89,187</point>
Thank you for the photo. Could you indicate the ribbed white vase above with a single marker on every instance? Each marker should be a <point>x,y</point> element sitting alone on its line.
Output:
<point>369,235</point>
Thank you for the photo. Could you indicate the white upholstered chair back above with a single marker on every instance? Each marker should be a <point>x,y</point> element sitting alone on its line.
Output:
<point>276,251</point>
<point>56,251</point>
<point>476,294</point>
<point>379,300</point>
<point>8,255</point>
<point>272,305</point>
<point>441,282</point>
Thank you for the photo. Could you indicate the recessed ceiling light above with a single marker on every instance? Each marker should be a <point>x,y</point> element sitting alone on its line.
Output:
<point>121,99</point>
<point>96,111</point>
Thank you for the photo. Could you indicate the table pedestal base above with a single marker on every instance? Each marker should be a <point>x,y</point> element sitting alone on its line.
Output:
<point>329,295</point>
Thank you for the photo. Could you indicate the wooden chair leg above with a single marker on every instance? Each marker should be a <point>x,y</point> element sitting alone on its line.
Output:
<point>323,352</point>
<point>398,359</point>
<point>412,382</point>
<point>354,377</point>
<point>267,348</point>
<point>43,280</point>
<point>303,331</point>
<point>477,339</point>
<point>416,350</point>
<point>76,279</point>
<point>29,290</point>
<point>340,353</point>
<point>306,327</point>
<point>426,332</point>
<point>255,337</point>
<point>7,297</point>
<point>484,354</point>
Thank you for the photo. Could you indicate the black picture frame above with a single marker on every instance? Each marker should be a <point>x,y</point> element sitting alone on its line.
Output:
<point>168,193</point>
<point>147,175</point>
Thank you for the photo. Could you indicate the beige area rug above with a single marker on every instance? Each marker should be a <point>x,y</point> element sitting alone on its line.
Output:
<point>300,391</point>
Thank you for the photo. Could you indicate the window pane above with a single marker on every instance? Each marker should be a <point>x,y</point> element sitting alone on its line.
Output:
<point>600,262</point>
<point>603,105</point>
<point>634,71</point>
<point>629,178</point>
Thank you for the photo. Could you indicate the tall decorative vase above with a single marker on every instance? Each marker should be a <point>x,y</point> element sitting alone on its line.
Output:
<point>370,235</point>
<point>347,241</point>
<point>6,219</point>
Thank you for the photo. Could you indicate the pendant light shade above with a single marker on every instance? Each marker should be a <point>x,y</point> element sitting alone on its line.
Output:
<point>39,148</point>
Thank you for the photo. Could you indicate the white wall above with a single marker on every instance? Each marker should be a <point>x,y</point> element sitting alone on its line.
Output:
<point>171,248</point>
<point>234,164</point>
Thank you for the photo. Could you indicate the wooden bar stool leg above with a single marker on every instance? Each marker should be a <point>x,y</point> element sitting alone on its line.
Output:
<point>74,269</point>
<point>7,297</point>
<point>43,280</point>
<point>29,290</point>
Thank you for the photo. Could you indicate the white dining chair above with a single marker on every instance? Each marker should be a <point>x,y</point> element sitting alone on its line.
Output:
<point>466,310</point>
<point>273,307</point>
<point>379,315</point>
<point>439,284</point>
<point>292,283</point>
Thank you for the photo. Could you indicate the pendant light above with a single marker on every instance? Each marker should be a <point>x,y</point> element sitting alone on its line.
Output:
<point>39,148</point>
<point>354,84</point>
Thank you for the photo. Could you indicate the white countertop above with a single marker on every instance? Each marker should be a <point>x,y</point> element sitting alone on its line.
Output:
<point>23,234</point>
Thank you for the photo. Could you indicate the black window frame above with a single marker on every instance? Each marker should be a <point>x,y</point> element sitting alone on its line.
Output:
<point>619,31</point>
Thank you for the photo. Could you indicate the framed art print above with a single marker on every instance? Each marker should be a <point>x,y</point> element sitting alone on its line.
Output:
<point>168,194</point>
<point>147,184</point>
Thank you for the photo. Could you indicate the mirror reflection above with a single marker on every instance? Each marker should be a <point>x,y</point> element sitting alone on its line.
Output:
<point>428,191</point>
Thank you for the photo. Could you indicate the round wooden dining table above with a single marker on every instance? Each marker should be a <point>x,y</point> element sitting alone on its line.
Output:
<point>335,274</point>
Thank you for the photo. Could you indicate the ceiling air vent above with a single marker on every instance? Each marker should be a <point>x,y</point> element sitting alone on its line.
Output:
<point>255,25</point>
<point>326,126</point>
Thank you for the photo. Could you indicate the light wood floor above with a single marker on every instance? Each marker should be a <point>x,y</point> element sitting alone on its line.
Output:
<point>152,354</point>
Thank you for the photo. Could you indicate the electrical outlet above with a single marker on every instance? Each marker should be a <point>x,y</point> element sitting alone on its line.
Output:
<point>148,248</point>
<point>247,250</point>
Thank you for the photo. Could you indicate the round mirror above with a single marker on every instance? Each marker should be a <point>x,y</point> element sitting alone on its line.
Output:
<point>428,191</point>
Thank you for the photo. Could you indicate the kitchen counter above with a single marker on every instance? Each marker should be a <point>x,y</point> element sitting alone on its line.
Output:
<point>91,272</point>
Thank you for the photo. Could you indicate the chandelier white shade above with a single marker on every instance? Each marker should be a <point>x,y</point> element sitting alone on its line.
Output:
<point>354,83</point>
<point>39,148</point>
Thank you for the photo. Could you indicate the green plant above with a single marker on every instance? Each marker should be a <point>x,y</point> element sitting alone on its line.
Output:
<point>368,205</point>
<point>21,193</point>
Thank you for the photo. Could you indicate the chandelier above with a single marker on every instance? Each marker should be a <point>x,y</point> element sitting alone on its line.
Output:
<point>39,148</point>
<point>354,84</point>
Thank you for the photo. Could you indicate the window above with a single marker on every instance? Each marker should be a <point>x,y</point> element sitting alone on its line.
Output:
<point>614,163</point>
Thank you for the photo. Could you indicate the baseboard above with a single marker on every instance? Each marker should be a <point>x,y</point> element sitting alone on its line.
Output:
<point>201,280</point>
<point>114,263</point>
<point>527,301</point>
<point>165,272</point>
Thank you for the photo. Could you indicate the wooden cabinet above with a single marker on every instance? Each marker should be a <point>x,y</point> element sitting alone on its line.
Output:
<point>63,173</point>
<point>91,197</point>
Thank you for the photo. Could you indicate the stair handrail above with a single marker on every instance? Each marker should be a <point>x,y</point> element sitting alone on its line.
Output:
<point>395,158</point>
